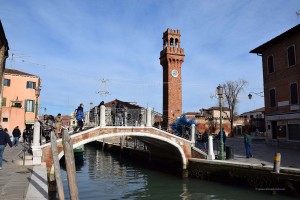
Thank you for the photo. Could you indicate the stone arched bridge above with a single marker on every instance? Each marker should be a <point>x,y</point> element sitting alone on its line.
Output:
<point>159,142</point>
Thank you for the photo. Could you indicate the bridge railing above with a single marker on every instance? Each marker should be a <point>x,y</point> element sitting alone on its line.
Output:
<point>126,117</point>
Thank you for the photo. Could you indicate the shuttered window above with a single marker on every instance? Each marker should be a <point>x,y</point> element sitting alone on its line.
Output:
<point>272,98</point>
<point>29,105</point>
<point>291,56</point>
<point>294,93</point>
<point>271,64</point>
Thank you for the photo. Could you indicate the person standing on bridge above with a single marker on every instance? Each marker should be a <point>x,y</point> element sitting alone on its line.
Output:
<point>58,125</point>
<point>79,117</point>
<point>4,139</point>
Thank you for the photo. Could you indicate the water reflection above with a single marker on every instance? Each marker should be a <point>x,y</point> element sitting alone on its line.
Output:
<point>106,176</point>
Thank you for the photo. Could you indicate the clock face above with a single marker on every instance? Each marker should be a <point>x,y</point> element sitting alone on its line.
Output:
<point>174,73</point>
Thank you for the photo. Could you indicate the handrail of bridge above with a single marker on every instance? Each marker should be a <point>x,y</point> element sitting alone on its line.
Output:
<point>107,116</point>
<point>124,117</point>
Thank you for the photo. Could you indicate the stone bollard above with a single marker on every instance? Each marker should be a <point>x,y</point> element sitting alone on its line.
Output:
<point>193,135</point>
<point>149,117</point>
<point>102,116</point>
<point>36,146</point>
<point>277,159</point>
<point>210,154</point>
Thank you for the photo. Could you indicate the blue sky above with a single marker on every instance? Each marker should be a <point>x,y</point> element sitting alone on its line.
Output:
<point>73,45</point>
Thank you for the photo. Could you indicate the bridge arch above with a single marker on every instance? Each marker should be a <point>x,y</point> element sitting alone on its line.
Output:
<point>148,135</point>
<point>133,134</point>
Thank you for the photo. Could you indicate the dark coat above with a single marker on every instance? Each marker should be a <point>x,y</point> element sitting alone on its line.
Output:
<point>4,138</point>
<point>16,132</point>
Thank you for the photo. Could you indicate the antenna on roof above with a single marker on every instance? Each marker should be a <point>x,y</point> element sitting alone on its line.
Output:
<point>298,13</point>
<point>103,91</point>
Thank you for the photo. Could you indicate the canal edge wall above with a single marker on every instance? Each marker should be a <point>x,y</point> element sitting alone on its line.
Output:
<point>255,176</point>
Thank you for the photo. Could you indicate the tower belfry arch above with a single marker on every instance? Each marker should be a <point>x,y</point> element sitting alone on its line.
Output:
<point>171,59</point>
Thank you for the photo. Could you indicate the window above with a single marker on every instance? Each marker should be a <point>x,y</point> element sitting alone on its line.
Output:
<point>29,105</point>
<point>4,101</point>
<point>291,56</point>
<point>4,119</point>
<point>272,98</point>
<point>294,130</point>
<point>6,82</point>
<point>171,42</point>
<point>294,93</point>
<point>30,84</point>
<point>16,104</point>
<point>271,64</point>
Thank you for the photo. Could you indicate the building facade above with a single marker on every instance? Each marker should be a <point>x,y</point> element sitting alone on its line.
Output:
<point>281,76</point>
<point>171,58</point>
<point>19,99</point>
<point>3,56</point>
<point>209,120</point>
<point>255,120</point>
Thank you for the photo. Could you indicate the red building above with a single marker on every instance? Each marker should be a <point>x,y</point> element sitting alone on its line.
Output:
<point>281,76</point>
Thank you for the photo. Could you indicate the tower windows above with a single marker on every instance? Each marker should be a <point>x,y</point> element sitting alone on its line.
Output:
<point>176,43</point>
<point>165,44</point>
<point>171,42</point>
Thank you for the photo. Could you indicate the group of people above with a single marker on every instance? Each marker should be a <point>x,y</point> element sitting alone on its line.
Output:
<point>118,114</point>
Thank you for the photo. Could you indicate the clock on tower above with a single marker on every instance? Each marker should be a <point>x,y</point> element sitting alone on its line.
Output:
<point>171,58</point>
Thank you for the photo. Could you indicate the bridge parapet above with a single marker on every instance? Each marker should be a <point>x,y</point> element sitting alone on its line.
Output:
<point>106,116</point>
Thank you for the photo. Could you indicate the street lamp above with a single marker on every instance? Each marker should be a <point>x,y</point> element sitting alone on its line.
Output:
<point>220,95</point>
<point>37,94</point>
<point>258,94</point>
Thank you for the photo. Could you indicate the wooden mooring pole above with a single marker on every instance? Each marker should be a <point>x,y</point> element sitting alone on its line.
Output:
<point>60,188</point>
<point>70,165</point>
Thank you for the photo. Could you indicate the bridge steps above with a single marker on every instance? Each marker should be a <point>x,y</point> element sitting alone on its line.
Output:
<point>18,160</point>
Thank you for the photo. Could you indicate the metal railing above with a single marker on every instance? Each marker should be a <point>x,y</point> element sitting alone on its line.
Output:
<point>126,117</point>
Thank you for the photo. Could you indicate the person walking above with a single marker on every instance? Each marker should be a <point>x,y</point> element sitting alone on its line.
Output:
<point>79,117</point>
<point>247,142</point>
<point>58,124</point>
<point>27,135</point>
<point>16,134</point>
<point>4,139</point>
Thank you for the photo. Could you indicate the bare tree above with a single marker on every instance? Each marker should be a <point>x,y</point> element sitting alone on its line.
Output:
<point>231,92</point>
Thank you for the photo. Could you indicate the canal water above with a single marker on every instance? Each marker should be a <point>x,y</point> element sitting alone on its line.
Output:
<point>103,175</point>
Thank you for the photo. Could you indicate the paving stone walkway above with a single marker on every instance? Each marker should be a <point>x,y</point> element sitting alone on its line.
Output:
<point>263,153</point>
<point>14,179</point>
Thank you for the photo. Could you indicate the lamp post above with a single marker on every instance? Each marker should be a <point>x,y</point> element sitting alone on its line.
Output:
<point>220,95</point>
<point>37,94</point>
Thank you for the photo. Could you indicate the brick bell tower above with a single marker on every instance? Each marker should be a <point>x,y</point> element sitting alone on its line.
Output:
<point>171,58</point>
